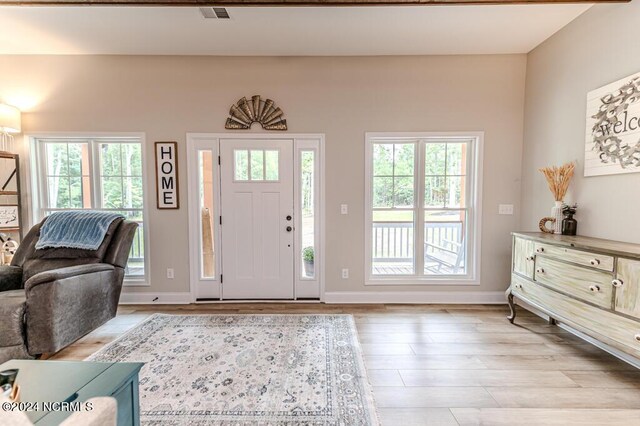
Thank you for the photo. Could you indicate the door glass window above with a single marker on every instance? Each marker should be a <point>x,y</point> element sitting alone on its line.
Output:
<point>256,165</point>
<point>241,164</point>
<point>271,165</point>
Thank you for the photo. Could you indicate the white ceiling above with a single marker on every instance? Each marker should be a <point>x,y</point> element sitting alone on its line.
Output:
<point>306,31</point>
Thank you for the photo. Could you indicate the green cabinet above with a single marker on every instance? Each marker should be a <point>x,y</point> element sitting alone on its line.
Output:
<point>65,381</point>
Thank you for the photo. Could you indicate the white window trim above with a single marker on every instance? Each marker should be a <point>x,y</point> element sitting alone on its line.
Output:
<point>474,220</point>
<point>33,172</point>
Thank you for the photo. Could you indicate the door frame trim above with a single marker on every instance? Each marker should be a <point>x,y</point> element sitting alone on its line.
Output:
<point>192,204</point>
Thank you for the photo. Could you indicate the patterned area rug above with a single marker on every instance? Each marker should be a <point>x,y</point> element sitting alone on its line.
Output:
<point>248,370</point>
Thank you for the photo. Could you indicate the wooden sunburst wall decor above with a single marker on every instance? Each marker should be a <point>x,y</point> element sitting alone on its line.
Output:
<point>246,112</point>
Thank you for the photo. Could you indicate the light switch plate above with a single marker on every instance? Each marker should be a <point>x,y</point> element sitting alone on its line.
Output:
<point>344,209</point>
<point>505,209</point>
<point>170,273</point>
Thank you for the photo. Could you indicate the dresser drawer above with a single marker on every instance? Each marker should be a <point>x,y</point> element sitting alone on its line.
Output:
<point>592,260</point>
<point>523,256</point>
<point>613,329</point>
<point>628,287</point>
<point>583,283</point>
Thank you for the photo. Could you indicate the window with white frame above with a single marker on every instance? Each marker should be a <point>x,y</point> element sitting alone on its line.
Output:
<point>256,165</point>
<point>93,173</point>
<point>422,197</point>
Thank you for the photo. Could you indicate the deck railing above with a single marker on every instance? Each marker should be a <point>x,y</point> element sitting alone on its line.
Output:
<point>137,247</point>
<point>393,241</point>
<point>135,265</point>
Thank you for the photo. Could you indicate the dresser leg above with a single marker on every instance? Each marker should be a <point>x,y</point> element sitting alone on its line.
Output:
<point>511,317</point>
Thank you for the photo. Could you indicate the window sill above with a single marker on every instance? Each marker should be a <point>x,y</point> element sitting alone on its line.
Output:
<point>134,282</point>
<point>453,281</point>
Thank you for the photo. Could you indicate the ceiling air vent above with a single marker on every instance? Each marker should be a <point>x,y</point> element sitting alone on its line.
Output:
<point>214,13</point>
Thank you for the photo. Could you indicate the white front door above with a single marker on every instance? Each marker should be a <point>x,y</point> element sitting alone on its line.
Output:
<point>257,218</point>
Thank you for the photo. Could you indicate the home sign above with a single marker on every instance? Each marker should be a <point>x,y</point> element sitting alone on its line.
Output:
<point>167,175</point>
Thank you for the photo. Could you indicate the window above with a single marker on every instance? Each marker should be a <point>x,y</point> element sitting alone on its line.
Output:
<point>99,174</point>
<point>393,207</point>
<point>255,165</point>
<point>206,182</point>
<point>307,216</point>
<point>422,207</point>
<point>307,210</point>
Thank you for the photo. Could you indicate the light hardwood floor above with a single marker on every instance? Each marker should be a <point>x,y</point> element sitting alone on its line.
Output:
<point>455,364</point>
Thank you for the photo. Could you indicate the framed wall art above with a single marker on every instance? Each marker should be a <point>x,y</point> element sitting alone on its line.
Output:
<point>9,217</point>
<point>613,128</point>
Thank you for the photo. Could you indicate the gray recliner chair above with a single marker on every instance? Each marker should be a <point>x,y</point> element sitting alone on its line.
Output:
<point>50,298</point>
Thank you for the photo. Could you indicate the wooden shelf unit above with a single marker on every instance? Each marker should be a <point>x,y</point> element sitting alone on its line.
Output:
<point>17,194</point>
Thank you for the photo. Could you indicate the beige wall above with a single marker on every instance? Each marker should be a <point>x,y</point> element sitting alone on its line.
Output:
<point>599,47</point>
<point>166,97</point>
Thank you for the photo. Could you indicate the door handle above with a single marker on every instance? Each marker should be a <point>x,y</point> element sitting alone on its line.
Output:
<point>289,217</point>
<point>289,229</point>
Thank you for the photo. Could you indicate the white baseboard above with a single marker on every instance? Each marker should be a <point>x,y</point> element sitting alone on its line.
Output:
<point>421,297</point>
<point>130,298</point>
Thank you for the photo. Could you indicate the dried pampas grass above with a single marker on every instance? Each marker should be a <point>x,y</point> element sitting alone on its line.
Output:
<point>558,179</point>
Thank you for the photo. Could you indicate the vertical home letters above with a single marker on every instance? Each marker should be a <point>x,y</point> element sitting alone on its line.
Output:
<point>167,175</point>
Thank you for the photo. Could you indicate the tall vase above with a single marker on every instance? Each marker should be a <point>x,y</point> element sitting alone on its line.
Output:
<point>556,213</point>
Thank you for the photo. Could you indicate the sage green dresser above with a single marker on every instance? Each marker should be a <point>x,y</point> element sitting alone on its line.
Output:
<point>589,284</point>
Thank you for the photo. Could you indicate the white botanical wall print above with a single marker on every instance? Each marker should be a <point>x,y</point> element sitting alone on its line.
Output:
<point>9,216</point>
<point>613,128</point>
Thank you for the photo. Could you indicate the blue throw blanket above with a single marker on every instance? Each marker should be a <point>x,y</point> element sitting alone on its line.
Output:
<point>82,229</point>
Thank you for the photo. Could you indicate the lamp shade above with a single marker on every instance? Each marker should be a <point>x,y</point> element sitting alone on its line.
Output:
<point>9,119</point>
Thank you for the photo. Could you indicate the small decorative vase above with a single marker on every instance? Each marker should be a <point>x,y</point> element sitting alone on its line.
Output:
<point>569,225</point>
<point>556,213</point>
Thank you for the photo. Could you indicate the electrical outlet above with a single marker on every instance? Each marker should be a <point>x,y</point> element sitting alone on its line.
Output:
<point>170,274</point>
<point>505,209</point>
<point>345,273</point>
<point>344,209</point>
